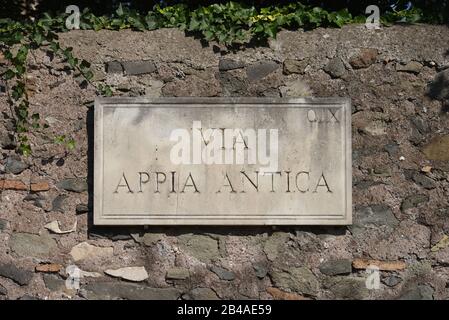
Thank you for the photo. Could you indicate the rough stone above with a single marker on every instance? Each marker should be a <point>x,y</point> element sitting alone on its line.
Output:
<point>58,203</point>
<point>200,294</point>
<point>202,247</point>
<point>373,215</point>
<point>294,66</point>
<point>73,184</point>
<point>382,265</point>
<point>36,199</point>
<point>53,282</point>
<point>48,268</point>
<point>274,243</point>
<point>364,59</point>
<point>261,270</point>
<point>114,67</point>
<point>3,224</point>
<point>336,267</point>
<point>229,64</point>
<point>81,208</point>
<point>19,276</point>
<point>424,181</point>
<point>13,185</point>
<point>282,295</point>
<point>222,273</point>
<point>418,292</point>
<point>32,245</point>
<point>138,67</point>
<point>14,165</point>
<point>437,149</point>
<point>7,140</point>
<point>135,274</point>
<point>3,291</point>
<point>411,67</point>
<point>439,87</point>
<point>260,70</point>
<point>150,239</point>
<point>39,186</point>
<point>85,250</point>
<point>392,280</point>
<point>177,274</point>
<point>297,279</point>
<point>296,88</point>
<point>413,201</point>
<point>335,68</point>
<point>129,291</point>
<point>347,287</point>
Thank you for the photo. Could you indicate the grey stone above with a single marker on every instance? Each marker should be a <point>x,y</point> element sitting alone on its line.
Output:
<point>392,280</point>
<point>28,297</point>
<point>392,149</point>
<point>202,247</point>
<point>374,215</point>
<point>53,282</point>
<point>336,267</point>
<point>36,198</point>
<point>261,69</point>
<point>81,208</point>
<point>222,273</point>
<point>19,276</point>
<point>413,201</point>
<point>7,140</point>
<point>335,68</point>
<point>274,243</point>
<point>229,64</point>
<point>177,274</point>
<point>439,87</point>
<point>58,203</point>
<point>200,294</point>
<point>150,239</point>
<point>3,291</point>
<point>261,270</point>
<point>297,279</point>
<point>3,224</point>
<point>138,67</point>
<point>14,165</point>
<point>411,67</point>
<point>129,291</point>
<point>294,66</point>
<point>418,292</point>
<point>114,67</point>
<point>32,245</point>
<point>73,184</point>
<point>424,181</point>
<point>347,287</point>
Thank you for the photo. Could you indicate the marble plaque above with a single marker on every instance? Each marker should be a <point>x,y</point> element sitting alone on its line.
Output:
<point>222,161</point>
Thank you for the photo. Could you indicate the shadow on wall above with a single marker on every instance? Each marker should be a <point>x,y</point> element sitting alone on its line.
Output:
<point>123,232</point>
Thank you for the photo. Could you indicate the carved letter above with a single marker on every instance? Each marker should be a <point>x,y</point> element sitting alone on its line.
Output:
<point>158,181</point>
<point>322,178</point>
<point>190,185</point>
<point>123,185</point>
<point>141,181</point>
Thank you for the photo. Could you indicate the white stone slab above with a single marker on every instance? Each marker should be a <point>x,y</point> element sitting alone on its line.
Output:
<point>138,180</point>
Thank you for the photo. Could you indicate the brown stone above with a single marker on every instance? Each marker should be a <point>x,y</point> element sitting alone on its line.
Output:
<point>364,59</point>
<point>48,268</point>
<point>40,186</point>
<point>282,295</point>
<point>382,265</point>
<point>12,185</point>
<point>438,149</point>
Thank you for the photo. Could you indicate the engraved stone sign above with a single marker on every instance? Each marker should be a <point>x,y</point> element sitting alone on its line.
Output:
<point>222,161</point>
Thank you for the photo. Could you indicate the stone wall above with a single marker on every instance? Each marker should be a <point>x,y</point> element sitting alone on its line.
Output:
<point>399,86</point>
